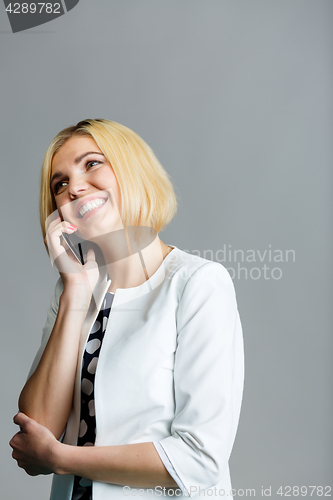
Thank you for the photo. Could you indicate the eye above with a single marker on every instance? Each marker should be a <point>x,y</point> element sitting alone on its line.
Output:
<point>92,163</point>
<point>58,186</point>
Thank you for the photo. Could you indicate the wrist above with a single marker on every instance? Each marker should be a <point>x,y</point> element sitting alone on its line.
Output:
<point>75,299</point>
<point>61,458</point>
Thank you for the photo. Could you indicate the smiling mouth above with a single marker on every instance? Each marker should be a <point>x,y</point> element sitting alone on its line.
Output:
<point>91,205</point>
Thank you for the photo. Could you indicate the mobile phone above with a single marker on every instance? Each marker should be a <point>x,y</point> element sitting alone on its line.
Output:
<point>75,249</point>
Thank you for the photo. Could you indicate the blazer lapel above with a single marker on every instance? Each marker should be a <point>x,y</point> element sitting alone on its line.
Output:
<point>72,429</point>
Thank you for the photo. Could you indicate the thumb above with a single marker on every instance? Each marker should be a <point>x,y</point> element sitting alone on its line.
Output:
<point>21,419</point>
<point>91,259</point>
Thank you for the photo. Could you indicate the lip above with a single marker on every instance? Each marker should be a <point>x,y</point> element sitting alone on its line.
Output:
<point>86,200</point>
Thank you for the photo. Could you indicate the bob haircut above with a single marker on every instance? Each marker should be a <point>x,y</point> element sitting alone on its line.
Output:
<point>147,194</point>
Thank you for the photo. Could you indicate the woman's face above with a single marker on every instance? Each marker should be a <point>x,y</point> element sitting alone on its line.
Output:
<point>85,188</point>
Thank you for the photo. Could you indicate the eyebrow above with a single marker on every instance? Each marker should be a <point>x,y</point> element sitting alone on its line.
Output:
<point>79,158</point>
<point>76,161</point>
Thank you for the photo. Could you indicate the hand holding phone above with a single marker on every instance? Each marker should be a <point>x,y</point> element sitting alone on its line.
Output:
<point>66,254</point>
<point>64,247</point>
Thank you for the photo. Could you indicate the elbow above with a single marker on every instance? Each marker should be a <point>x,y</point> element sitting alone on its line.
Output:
<point>212,475</point>
<point>212,462</point>
<point>23,402</point>
<point>40,415</point>
<point>26,402</point>
<point>200,467</point>
<point>212,472</point>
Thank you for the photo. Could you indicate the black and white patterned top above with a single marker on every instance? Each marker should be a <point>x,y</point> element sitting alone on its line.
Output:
<point>82,489</point>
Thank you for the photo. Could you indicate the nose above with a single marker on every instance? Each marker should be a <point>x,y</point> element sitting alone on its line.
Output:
<point>77,187</point>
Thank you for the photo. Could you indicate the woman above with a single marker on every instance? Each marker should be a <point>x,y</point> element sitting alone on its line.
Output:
<point>139,377</point>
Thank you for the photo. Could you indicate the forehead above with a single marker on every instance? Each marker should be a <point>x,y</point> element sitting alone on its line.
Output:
<point>73,148</point>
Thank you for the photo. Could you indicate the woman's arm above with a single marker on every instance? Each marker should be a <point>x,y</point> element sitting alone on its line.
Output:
<point>136,465</point>
<point>38,452</point>
<point>208,379</point>
<point>48,394</point>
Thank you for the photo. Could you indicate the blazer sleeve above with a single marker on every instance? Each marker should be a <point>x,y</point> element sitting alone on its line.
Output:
<point>49,324</point>
<point>208,380</point>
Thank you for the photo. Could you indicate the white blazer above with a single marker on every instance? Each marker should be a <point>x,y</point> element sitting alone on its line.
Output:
<point>170,371</point>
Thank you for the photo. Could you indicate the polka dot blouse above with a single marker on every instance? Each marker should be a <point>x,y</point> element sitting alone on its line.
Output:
<point>82,489</point>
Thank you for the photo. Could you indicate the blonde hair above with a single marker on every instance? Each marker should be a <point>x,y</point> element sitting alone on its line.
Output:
<point>147,195</point>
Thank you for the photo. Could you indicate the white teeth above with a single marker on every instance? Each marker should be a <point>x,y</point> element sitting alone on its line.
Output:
<point>91,205</point>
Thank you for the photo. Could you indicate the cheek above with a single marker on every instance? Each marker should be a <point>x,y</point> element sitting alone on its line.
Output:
<point>66,210</point>
<point>107,180</point>
<point>117,196</point>
<point>57,204</point>
<point>116,190</point>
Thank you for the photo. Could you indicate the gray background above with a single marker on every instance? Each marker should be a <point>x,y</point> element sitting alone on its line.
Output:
<point>235,97</point>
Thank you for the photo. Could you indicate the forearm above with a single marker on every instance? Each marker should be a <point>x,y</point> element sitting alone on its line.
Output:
<point>47,396</point>
<point>135,465</point>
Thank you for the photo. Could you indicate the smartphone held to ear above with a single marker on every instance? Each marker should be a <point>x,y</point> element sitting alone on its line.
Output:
<point>75,248</point>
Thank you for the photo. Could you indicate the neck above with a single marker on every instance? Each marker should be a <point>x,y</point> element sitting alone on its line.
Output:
<point>132,256</point>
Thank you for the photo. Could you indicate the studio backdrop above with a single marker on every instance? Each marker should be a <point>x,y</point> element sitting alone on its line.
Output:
<point>235,99</point>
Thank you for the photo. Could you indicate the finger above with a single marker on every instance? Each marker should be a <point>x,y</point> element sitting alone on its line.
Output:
<point>56,244</point>
<point>56,225</point>
<point>61,227</point>
<point>52,223</point>
<point>53,238</point>
<point>69,226</point>
<point>31,472</point>
<point>13,441</point>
